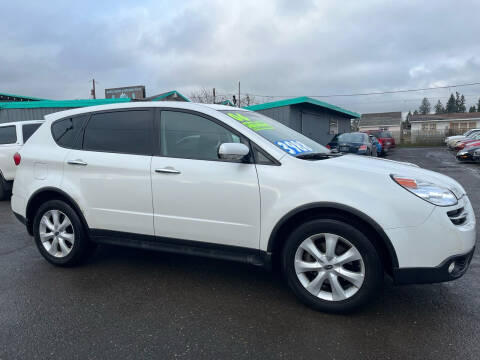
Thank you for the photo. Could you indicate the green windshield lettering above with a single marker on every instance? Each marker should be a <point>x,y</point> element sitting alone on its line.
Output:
<point>251,124</point>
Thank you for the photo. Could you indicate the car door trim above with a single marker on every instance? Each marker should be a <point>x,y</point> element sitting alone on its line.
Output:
<point>180,246</point>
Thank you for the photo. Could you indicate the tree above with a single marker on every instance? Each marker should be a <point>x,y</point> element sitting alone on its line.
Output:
<point>451,105</point>
<point>424,108</point>
<point>472,109</point>
<point>439,109</point>
<point>460,102</point>
<point>415,112</point>
<point>407,124</point>
<point>478,105</point>
<point>205,96</point>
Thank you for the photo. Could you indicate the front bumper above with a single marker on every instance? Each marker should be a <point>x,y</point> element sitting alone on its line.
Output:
<point>452,268</point>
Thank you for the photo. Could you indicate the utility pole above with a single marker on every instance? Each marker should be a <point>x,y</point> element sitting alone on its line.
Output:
<point>92,92</point>
<point>214,95</point>
<point>239,94</point>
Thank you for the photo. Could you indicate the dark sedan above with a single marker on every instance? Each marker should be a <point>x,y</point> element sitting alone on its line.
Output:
<point>356,143</point>
<point>469,154</point>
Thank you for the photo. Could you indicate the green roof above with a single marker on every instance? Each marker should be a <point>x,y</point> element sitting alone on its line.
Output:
<point>21,96</point>
<point>60,103</point>
<point>78,103</point>
<point>226,102</point>
<point>301,100</point>
<point>167,94</point>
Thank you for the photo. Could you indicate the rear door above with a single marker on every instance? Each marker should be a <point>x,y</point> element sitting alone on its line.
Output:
<point>111,171</point>
<point>9,145</point>
<point>196,195</point>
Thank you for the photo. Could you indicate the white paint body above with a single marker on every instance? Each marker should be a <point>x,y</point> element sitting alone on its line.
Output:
<point>7,166</point>
<point>239,204</point>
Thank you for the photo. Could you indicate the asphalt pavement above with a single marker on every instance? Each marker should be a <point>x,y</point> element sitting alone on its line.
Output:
<point>132,304</point>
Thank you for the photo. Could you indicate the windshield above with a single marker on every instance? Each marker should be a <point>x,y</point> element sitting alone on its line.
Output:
<point>290,141</point>
<point>352,138</point>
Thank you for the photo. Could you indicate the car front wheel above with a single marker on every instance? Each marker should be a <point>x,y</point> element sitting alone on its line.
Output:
<point>60,235</point>
<point>332,266</point>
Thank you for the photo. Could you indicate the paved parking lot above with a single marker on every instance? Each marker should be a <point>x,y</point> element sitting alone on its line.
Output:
<point>130,304</point>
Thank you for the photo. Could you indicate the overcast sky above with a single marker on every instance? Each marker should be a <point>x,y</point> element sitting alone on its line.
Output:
<point>279,48</point>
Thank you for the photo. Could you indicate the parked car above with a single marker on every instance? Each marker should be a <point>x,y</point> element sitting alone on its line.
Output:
<point>456,142</point>
<point>12,137</point>
<point>386,139</point>
<point>356,143</point>
<point>472,153</point>
<point>377,143</point>
<point>229,183</point>
<point>450,140</point>
<point>459,145</point>
<point>333,144</point>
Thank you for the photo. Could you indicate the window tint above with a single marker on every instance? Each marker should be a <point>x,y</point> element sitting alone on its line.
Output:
<point>28,131</point>
<point>128,132</point>
<point>8,135</point>
<point>66,132</point>
<point>190,136</point>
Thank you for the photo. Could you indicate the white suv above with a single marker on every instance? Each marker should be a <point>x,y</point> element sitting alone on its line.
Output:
<point>228,183</point>
<point>12,136</point>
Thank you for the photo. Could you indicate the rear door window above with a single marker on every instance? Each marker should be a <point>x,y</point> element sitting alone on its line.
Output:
<point>67,132</point>
<point>8,135</point>
<point>28,131</point>
<point>127,132</point>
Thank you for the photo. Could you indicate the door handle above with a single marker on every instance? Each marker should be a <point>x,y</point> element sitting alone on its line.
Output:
<point>168,170</point>
<point>77,162</point>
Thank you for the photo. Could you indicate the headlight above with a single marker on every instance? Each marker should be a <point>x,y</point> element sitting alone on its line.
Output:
<point>462,153</point>
<point>428,191</point>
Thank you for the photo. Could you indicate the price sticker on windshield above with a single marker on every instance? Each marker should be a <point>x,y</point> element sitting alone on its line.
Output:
<point>293,147</point>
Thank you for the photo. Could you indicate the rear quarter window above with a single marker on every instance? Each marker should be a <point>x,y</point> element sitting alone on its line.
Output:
<point>28,130</point>
<point>67,132</point>
<point>8,135</point>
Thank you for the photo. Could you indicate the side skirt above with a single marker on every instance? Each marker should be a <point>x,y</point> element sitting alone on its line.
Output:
<point>187,247</point>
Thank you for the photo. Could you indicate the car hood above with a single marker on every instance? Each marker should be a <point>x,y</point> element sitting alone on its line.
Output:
<point>385,168</point>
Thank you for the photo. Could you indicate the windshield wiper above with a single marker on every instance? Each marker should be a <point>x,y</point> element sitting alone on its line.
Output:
<point>317,156</point>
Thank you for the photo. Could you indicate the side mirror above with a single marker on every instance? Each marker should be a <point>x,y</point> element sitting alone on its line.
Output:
<point>233,151</point>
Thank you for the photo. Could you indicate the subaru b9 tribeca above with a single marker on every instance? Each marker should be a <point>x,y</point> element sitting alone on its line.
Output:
<point>228,183</point>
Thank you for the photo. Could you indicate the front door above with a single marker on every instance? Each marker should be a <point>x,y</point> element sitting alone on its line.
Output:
<point>197,196</point>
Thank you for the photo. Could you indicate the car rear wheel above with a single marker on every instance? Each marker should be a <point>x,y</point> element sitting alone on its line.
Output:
<point>60,235</point>
<point>2,191</point>
<point>332,266</point>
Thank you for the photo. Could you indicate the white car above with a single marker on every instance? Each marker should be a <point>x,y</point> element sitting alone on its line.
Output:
<point>12,137</point>
<point>229,183</point>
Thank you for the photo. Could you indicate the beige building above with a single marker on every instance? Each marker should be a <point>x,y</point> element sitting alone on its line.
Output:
<point>390,121</point>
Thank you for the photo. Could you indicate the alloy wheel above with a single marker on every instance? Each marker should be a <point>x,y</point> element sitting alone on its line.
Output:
<point>56,233</point>
<point>329,267</point>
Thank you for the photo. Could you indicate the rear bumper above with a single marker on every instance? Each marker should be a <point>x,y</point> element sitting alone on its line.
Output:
<point>440,273</point>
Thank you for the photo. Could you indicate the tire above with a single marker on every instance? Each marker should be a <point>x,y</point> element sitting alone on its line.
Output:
<point>329,298</point>
<point>73,247</point>
<point>3,192</point>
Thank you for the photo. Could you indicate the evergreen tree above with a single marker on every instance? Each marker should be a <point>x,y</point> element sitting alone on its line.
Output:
<point>478,105</point>
<point>425,107</point>
<point>415,112</point>
<point>451,105</point>
<point>472,109</point>
<point>439,109</point>
<point>460,102</point>
<point>407,121</point>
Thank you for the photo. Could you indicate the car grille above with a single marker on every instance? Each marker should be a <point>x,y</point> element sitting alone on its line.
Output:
<point>458,216</point>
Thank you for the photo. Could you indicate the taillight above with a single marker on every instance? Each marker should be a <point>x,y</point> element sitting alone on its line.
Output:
<point>17,158</point>
<point>328,146</point>
<point>362,147</point>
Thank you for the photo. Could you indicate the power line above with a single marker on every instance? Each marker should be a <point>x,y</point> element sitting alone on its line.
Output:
<point>374,93</point>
